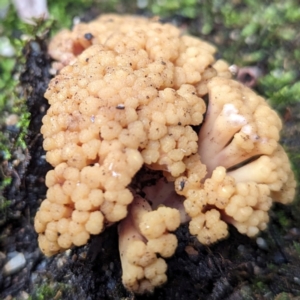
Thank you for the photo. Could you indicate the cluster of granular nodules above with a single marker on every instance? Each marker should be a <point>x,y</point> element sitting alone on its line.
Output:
<point>130,92</point>
<point>127,100</point>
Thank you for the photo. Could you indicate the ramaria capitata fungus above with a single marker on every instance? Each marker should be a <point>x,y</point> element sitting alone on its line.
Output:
<point>129,94</point>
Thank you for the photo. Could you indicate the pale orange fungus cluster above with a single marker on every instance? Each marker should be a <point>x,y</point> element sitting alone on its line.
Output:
<point>128,92</point>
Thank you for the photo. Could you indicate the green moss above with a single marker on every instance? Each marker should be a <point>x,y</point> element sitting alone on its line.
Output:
<point>186,8</point>
<point>12,101</point>
<point>258,33</point>
<point>47,291</point>
<point>284,296</point>
<point>4,204</point>
<point>260,287</point>
<point>63,12</point>
<point>297,247</point>
<point>11,30</point>
<point>283,219</point>
<point>60,9</point>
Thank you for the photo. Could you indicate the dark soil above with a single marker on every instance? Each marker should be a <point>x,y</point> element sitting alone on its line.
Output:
<point>236,268</point>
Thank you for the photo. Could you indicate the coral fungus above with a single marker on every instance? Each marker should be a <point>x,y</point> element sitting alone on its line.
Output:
<point>132,93</point>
